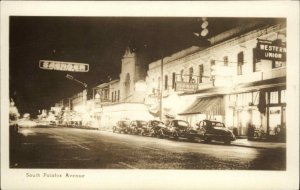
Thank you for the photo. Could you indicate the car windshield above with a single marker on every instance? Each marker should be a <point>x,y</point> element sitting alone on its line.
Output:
<point>182,123</point>
<point>141,123</point>
<point>156,123</point>
<point>124,123</point>
<point>217,124</point>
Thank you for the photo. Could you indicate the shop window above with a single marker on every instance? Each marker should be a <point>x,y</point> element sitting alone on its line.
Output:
<point>166,82</point>
<point>112,96</point>
<point>282,96</point>
<point>115,96</point>
<point>274,119</point>
<point>118,95</point>
<point>244,99</point>
<point>256,119</point>
<point>255,96</point>
<point>201,70</point>
<point>225,59</point>
<point>274,97</point>
<point>240,63</point>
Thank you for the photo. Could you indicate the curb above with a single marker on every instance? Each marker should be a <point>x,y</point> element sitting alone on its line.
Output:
<point>253,146</point>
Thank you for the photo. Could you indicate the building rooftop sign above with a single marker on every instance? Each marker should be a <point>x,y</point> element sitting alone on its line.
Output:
<point>63,66</point>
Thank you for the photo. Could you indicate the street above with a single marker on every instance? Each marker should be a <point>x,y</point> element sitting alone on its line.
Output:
<point>92,149</point>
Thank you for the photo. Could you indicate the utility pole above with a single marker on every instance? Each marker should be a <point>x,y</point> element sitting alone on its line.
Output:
<point>161,87</point>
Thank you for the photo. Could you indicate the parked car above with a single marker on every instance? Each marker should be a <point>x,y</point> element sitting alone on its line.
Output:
<point>121,126</point>
<point>209,130</point>
<point>180,128</point>
<point>26,123</point>
<point>155,128</point>
<point>136,127</point>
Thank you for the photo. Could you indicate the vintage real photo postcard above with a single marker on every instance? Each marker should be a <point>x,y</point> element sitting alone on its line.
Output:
<point>149,95</point>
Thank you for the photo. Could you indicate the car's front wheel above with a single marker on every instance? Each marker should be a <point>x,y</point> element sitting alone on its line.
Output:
<point>227,141</point>
<point>207,140</point>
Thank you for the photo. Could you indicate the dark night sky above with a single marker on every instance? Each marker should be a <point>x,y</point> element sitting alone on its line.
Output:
<point>98,41</point>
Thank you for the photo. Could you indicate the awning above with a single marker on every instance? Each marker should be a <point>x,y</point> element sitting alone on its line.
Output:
<point>208,105</point>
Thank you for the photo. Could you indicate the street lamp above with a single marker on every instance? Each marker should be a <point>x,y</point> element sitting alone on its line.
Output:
<point>76,80</point>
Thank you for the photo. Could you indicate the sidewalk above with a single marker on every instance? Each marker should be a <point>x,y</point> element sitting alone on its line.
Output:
<point>257,144</point>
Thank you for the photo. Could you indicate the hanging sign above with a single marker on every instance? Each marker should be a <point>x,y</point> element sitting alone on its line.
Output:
<point>63,66</point>
<point>271,50</point>
<point>186,86</point>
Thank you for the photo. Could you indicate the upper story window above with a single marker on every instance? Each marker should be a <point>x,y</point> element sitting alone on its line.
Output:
<point>277,64</point>
<point>105,93</point>
<point>166,82</point>
<point>181,74</point>
<point>191,73</point>
<point>225,60</point>
<point>240,63</point>
<point>212,63</point>
<point>256,63</point>
<point>201,71</point>
<point>173,80</point>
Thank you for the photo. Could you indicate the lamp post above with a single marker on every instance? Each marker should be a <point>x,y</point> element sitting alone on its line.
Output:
<point>76,80</point>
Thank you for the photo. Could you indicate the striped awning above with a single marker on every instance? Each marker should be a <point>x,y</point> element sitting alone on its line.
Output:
<point>207,105</point>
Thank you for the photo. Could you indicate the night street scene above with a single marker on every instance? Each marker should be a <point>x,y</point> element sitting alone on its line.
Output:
<point>196,93</point>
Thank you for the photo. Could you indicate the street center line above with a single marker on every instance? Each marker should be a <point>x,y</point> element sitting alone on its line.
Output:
<point>150,148</point>
<point>127,165</point>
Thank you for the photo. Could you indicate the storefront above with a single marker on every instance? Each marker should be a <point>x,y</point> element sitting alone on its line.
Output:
<point>211,107</point>
<point>261,105</point>
<point>111,114</point>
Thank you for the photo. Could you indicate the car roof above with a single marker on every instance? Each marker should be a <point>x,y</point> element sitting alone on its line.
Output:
<point>212,121</point>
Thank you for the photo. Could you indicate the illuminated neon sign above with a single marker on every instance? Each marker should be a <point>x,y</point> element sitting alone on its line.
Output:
<point>271,50</point>
<point>63,66</point>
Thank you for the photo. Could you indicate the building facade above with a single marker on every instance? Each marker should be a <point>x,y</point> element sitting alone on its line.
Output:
<point>239,79</point>
<point>122,98</point>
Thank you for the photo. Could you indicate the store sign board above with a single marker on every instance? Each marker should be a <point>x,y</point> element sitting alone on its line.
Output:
<point>63,66</point>
<point>271,50</point>
<point>186,86</point>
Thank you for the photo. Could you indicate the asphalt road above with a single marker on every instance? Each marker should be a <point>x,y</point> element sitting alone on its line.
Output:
<point>93,149</point>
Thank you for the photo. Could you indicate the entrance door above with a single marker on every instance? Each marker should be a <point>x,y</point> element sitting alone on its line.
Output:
<point>243,121</point>
<point>274,119</point>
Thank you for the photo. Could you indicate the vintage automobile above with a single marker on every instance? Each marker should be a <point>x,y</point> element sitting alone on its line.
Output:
<point>26,123</point>
<point>136,127</point>
<point>180,128</point>
<point>121,126</point>
<point>209,130</point>
<point>155,128</point>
